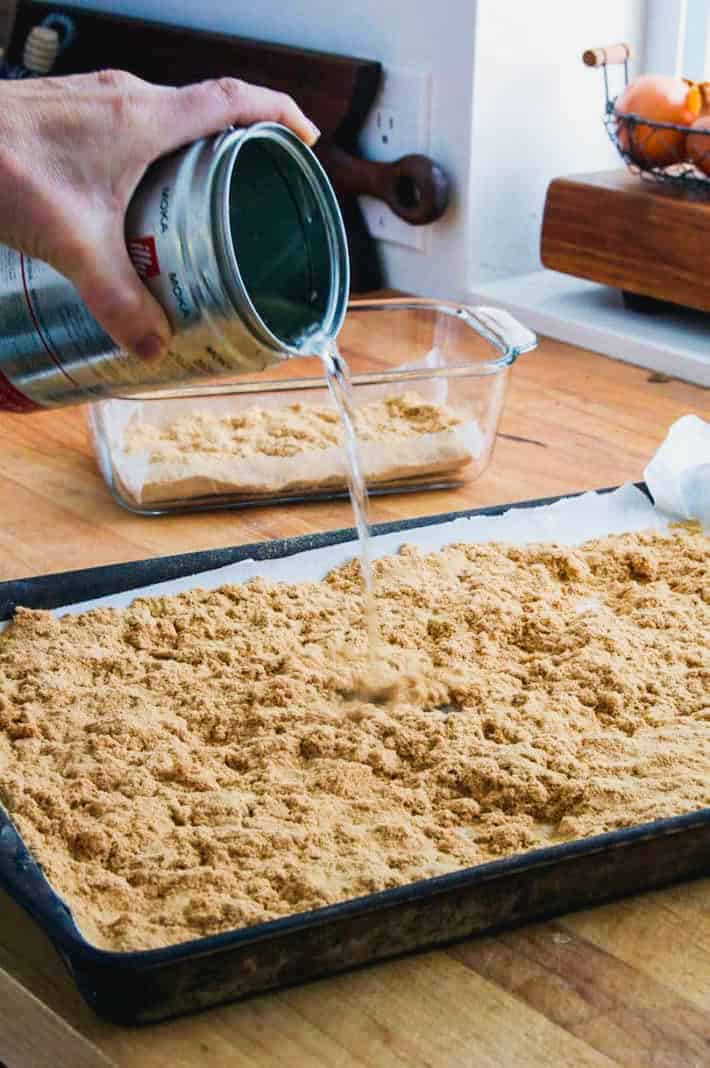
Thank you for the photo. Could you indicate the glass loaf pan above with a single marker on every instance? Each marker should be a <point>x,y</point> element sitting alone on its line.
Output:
<point>429,382</point>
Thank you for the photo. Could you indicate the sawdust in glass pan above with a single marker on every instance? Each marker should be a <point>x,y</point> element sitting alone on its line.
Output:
<point>294,448</point>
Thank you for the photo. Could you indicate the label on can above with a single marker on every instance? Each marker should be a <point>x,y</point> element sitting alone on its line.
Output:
<point>144,255</point>
<point>170,239</point>
<point>50,346</point>
<point>11,400</point>
<point>179,235</point>
<point>156,251</point>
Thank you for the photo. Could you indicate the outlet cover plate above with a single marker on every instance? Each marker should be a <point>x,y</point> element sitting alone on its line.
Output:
<point>398,124</point>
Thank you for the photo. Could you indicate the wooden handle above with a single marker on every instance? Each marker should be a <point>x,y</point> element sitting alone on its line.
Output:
<point>606,57</point>
<point>414,187</point>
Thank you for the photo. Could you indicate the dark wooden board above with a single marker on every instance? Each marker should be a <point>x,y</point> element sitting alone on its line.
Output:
<point>336,92</point>
<point>644,238</point>
<point>7,20</point>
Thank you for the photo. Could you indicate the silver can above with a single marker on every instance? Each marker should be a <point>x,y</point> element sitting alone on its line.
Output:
<point>240,239</point>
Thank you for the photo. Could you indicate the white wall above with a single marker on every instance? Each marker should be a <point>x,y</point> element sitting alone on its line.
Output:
<point>438,38</point>
<point>512,104</point>
<point>537,114</point>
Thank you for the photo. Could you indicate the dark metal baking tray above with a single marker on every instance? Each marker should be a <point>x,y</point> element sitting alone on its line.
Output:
<point>151,985</point>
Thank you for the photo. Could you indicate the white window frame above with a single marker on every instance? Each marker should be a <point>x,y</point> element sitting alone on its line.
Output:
<point>678,38</point>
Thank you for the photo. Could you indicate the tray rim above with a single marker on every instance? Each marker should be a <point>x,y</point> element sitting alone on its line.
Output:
<point>63,931</point>
<point>48,590</point>
<point>30,889</point>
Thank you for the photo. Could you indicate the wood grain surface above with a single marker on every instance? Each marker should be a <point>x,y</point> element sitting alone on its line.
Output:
<point>33,1036</point>
<point>635,235</point>
<point>625,984</point>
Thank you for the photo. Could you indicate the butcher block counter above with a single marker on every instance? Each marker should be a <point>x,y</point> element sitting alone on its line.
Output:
<point>623,984</point>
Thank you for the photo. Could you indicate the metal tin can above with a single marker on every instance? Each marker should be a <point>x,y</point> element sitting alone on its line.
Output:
<point>238,236</point>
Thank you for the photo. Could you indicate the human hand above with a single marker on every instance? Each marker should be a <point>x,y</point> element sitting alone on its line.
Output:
<point>73,150</point>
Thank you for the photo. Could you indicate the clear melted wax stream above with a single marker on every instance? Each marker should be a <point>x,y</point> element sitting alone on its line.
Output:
<point>337,375</point>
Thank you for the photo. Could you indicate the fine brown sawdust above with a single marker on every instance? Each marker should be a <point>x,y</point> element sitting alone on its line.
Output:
<point>295,448</point>
<point>200,762</point>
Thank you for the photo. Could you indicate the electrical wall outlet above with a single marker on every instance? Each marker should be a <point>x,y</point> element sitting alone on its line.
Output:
<point>398,125</point>
<point>388,123</point>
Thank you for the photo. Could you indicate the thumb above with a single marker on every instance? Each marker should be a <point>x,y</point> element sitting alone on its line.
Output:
<point>114,294</point>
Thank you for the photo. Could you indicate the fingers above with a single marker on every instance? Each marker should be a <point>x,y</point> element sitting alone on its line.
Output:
<point>92,137</point>
<point>178,116</point>
<point>183,115</point>
<point>118,300</point>
<point>102,81</point>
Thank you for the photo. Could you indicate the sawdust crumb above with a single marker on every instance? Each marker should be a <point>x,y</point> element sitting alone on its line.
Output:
<point>199,762</point>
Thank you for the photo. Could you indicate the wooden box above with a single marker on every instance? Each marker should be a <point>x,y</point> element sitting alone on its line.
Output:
<point>644,238</point>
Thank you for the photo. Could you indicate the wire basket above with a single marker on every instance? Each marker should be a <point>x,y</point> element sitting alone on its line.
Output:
<point>655,151</point>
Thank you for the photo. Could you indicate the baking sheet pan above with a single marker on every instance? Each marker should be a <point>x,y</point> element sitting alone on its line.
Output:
<point>151,985</point>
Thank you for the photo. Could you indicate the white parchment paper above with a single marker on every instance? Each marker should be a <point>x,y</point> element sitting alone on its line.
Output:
<point>568,522</point>
<point>679,473</point>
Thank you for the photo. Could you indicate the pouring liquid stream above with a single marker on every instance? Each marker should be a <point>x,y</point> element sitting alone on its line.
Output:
<point>337,376</point>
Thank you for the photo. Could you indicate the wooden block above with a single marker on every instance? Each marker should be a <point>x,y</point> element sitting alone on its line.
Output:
<point>616,229</point>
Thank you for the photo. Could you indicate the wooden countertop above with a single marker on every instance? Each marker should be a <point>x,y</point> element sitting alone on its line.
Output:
<point>625,984</point>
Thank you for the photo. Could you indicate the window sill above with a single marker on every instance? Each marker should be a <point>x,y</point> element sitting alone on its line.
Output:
<point>594,317</point>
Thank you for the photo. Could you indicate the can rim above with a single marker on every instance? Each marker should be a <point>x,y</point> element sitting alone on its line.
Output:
<point>319,184</point>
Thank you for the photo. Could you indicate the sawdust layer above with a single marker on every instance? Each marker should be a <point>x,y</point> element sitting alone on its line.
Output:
<point>287,430</point>
<point>200,762</point>
<point>291,449</point>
